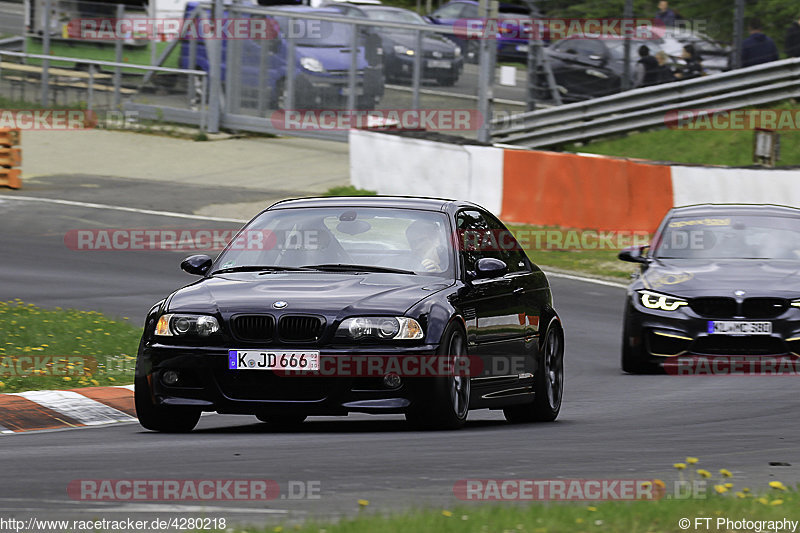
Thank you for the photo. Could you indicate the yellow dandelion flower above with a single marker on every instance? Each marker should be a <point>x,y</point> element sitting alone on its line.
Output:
<point>776,502</point>
<point>692,460</point>
<point>728,485</point>
<point>592,509</point>
<point>704,473</point>
<point>67,378</point>
<point>679,466</point>
<point>721,489</point>
<point>762,500</point>
<point>277,529</point>
<point>363,503</point>
<point>741,495</point>
<point>725,472</point>
<point>745,490</point>
<point>660,484</point>
<point>777,485</point>
<point>447,513</point>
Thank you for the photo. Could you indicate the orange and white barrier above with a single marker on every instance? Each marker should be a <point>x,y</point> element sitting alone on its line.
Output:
<point>557,189</point>
<point>10,157</point>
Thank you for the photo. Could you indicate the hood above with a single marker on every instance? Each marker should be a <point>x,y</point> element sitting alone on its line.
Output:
<point>333,58</point>
<point>330,294</point>
<point>692,278</point>
<point>430,43</point>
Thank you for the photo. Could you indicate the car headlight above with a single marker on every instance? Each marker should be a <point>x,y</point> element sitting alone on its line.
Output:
<point>655,300</point>
<point>795,303</point>
<point>384,327</point>
<point>311,64</point>
<point>179,325</point>
<point>400,49</point>
<point>457,51</point>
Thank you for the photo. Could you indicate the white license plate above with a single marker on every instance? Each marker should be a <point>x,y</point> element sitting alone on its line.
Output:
<point>439,63</point>
<point>734,327</point>
<point>272,360</point>
<point>522,48</point>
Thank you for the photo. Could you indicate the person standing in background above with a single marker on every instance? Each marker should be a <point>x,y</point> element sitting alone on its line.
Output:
<point>791,44</point>
<point>665,14</point>
<point>758,48</point>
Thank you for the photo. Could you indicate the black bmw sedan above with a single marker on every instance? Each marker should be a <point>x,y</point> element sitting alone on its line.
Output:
<point>326,306</point>
<point>718,281</point>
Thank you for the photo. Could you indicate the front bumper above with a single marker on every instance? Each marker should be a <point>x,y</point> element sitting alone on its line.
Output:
<point>206,382</point>
<point>401,66</point>
<point>661,335</point>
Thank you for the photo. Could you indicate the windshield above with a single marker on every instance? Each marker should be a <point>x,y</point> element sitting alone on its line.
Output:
<point>387,15</point>
<point>404,239</point>
<point>730,237</point>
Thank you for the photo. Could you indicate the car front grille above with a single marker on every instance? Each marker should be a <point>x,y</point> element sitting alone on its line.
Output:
<point>721,307</point>
<point>253,327</point>
<point>738,345</point>
<point>300,328</point>
<point>713,307</point>
<point>764,307</point>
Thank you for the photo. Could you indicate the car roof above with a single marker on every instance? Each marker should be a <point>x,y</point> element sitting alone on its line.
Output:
<point>399,202</point>
<point>510,8</point>
<point>306,9</point>
<point>735,209</point>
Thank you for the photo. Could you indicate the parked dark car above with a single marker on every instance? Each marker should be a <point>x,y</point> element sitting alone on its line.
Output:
<point>441,57</point>
<point>512,39</point>
<point>717,281</point>
<point>382,278</point>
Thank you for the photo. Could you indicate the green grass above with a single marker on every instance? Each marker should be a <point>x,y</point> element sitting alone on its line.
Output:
<point>135,55</point>
<point>599,261</point>
<point>731,148</point>
<point>84,348</point>
<point>348,190</point>
<point>607,517</point>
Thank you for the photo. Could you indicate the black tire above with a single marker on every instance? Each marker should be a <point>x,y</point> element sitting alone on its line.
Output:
<point>443,402</point>
<point>548,382</point>
<point>633,360</point>
<point>164,418</point>
<point>282,421</point>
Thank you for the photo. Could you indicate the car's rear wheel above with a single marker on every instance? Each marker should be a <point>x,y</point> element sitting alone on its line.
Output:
<point>444,401</point>
<point>165,418</point>
<point>282,421</point>
<point>548,382</point>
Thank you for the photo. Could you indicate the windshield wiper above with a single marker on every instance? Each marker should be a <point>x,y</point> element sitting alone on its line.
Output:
<point>261,268</point>
<point>340,267</point>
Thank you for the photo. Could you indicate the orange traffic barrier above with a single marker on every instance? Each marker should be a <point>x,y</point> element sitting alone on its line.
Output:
<point>573,191</point>
<point>9,158</point>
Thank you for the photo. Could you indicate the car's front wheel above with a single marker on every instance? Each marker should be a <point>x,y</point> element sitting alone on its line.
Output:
<point>165,418</point>
<point>443,402</point>
<point>548,382</point>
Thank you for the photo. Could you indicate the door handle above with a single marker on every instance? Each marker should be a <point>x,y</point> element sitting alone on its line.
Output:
<point>518,290</point>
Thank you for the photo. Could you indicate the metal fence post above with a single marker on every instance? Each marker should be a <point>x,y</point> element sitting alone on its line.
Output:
<point>46,51</point>
<point>416,79</point>
<point>288,100</point>
<point>488,50</point>
<point>738,33</point>
<point>215,72</point>
<point>351,75</point>
<point>90,90</point>
<point>626,73</point>
<point>118,59</point>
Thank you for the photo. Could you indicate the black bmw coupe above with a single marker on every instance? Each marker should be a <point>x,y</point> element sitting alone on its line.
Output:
<point>717,281</point>
<point>326,306</point>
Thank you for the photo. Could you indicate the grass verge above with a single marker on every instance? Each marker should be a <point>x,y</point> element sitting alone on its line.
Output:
<point>63,348</point>
<point>607,517</point>
<point>348,190</point>
<point>732,148</point>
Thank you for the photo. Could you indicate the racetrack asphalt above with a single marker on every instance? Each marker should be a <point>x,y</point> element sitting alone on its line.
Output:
<point>612,426</point>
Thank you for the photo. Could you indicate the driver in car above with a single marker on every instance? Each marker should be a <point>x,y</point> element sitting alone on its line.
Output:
<point>424,239</point>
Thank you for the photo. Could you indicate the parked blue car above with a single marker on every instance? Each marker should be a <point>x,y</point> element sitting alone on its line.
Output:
<point>322,62</point>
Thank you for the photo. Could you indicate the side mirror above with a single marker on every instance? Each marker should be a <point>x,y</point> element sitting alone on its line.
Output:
<point>196,264</point>
<point>489,267</point>
<point>634,254</point>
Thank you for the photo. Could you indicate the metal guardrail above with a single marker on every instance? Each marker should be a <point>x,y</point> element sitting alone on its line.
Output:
<point>648,107</point>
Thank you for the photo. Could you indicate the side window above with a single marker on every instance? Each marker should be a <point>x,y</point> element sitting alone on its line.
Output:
<point>450,11</point>
<point>470,11</point>
<point>510,251</point>
<point>474,238</point>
